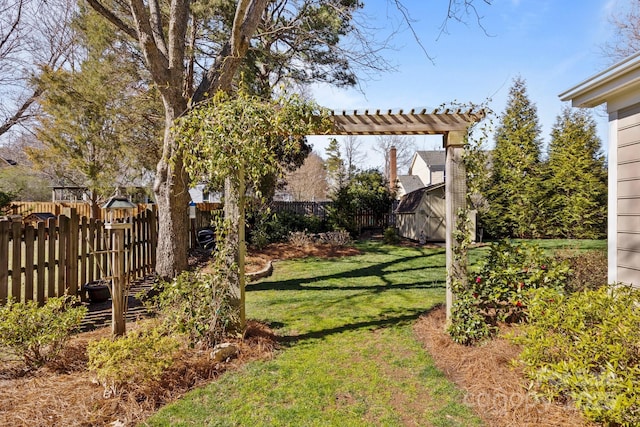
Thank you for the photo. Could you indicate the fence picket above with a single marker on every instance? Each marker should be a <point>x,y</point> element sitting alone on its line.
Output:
<point>41,283</point>
<point>72,251</point>
<point>52,237</point>
<point>61,259</point>
<point>16,267</point>
<point>4,261</point>
<point>83,255</point>
<point>29,241</point>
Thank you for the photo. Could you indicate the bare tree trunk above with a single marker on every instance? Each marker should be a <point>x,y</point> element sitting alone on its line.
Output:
<point>171,189</point>
<point>163,45</point>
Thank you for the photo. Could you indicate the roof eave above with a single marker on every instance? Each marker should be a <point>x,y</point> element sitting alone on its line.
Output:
<point>605,85</point>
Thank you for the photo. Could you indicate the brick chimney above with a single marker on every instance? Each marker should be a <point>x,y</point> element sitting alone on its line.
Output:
<point>393,169</point>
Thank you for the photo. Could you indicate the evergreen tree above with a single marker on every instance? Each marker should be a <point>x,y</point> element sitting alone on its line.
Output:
<point>335,166</point>
<point>514,195</point>
<point>367,191</point>
<point>577,178</point>
<point>101,124</point>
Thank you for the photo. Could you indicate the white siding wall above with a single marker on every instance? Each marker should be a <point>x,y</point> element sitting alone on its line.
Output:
<point>421,169</point>
<point>627,196</point>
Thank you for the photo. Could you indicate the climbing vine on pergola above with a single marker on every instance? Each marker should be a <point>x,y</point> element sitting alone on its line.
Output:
<point>238,141</point>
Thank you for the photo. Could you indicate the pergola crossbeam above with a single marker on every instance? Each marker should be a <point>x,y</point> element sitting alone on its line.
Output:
<point>402,123</point>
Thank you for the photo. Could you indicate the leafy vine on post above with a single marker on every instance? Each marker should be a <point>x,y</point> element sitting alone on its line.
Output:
<point>236,142</point>
<point>464,317</point>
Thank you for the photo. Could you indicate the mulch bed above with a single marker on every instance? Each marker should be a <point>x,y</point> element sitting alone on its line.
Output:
<point>64,393</point>
<point>494,387</point>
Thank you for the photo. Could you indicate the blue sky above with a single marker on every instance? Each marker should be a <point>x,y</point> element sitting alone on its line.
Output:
<point>552,44</point>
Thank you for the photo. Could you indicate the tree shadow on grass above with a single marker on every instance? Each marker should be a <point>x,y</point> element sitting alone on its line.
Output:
<point>383,322</point>
<point>376,271</point>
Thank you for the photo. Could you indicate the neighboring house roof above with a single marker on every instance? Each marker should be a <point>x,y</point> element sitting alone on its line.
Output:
<point>432,157</point>
<point>411,201</point>
<point>7,162</point>
<point>410,182</point>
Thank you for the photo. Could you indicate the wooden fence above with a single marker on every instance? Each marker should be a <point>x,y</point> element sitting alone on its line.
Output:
<point>318,209</point>
<point>83,209</point>
<point>59,255</point>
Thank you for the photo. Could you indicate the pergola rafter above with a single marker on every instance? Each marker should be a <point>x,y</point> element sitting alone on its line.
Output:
<point>404,123</point>
<point>453,125</point>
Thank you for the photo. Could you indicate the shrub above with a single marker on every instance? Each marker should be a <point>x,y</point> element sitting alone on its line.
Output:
<point>37,334</point>
<point>277,227</point>
<point>585,347</point>
<point>139,359</point>
<point>300,238</point>
<point>588,269</point>
<point>201,305</point>
<point>335,238</point>
<point>498,292</point>
<point>391,236</point>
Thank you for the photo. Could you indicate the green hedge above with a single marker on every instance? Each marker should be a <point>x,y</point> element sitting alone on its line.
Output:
<point>585,347</point>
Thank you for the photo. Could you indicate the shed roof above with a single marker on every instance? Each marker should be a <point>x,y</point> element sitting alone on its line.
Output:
<point>410,202</point>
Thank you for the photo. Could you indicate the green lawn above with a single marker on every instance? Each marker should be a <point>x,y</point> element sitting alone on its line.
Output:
<point>349,356</point>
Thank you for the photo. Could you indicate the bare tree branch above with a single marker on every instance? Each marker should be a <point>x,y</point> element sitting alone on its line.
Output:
<point>626,39</point>
<point>20,114</point>
<point>34,35</point>
<point>111,17</point>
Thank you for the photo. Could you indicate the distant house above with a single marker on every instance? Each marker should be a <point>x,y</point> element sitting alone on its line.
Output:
<point>407,184</point>
<point>427,168</point>
<point>75,193</point>
<point>619,87</point>
<point>200,194</point>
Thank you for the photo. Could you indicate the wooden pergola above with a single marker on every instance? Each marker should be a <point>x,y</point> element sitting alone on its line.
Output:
<point>453,125</point>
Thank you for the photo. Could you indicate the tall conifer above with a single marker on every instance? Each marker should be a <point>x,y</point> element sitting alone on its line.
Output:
<point>577,178</point>
<point>515,185</point>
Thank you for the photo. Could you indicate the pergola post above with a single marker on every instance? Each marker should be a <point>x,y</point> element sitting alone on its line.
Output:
<point>453,125</point>
<point>455,199</point>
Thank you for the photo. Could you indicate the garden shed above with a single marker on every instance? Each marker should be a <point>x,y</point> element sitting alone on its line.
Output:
<point>36,217</point>
<point>422,212</point>
<point>619,88</point>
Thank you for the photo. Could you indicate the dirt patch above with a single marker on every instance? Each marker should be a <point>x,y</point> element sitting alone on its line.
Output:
<point>494,387</point>
<point>257,259</point>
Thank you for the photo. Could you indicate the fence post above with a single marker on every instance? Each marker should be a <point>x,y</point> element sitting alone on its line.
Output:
<point>118,324</point>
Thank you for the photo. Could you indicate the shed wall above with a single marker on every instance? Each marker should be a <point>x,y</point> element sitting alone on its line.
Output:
<point>428,218</point>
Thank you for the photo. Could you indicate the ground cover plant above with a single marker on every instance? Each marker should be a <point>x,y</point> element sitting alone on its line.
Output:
<point>37,334</point>
<point>583,347</point>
